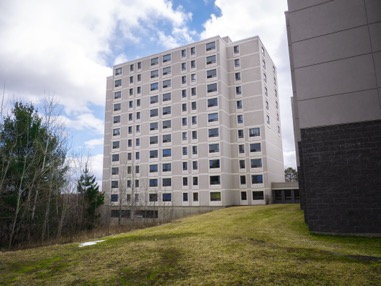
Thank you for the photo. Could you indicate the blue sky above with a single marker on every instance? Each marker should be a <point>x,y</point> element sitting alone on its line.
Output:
<point>67,49</point>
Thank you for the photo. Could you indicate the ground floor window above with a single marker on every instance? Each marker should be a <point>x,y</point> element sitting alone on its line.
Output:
<point>243,196</point>
<point>258,195</point>
<point>215,196</point>
<point>167,197</point>
<point>121,213</point>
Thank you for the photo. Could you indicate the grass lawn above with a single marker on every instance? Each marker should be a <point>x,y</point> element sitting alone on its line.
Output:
<point>264,245</point>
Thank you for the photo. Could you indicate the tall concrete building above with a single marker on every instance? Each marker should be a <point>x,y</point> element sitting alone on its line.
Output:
<point>193,128</point>
<point>335,53</point>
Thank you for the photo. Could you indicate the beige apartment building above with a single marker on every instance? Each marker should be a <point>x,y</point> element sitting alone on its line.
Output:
<point>192,129</point>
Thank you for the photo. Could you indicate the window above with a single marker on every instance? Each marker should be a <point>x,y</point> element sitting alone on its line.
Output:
<point>185,181</point>
<point>193,77</point>
<point>131,92</point>
<point>130,104</point>
<point>194,120</point>
<point>215,180</point>
<point>114,198</point>
<point>128,156</point>
<point>153,154</point>
<point>115,145</point>
<point>153,198</point>
<point>242,180</point>
<point>117,94</point>
<point>184,93</point>
<point>118,83</point>
<point>154,86</point>
<point>183,66</point>
<point>166,58</point>
<point>195,181</point>
<point>257,179</point>
<point>137,128</point>
<point>242,164</point>
<point>153,182</point>
<point>268,119</point>
<point>167,167</point>
<point>212,117</point>
<point>253,132</point>
<point>184,79</point>
<point>185,166</point>
<point>154,73</point>
<point>213,132</point>
<point>195,197</point>
<point>118,71</point>
<point>185,135</point>
<point>138,115</point>
<point>243,196</point>
<point>184,107</point>
<point>183,53</point>
<point>214,148</point>
<point>116,119</point>
<point>237,76</point>
<point>194,105</point>
<point>166,110</point>
<point>214,164</point>
<point>166,70</point>
<point>167,124</point>
<point>236,63</point>
<point>276,104</point>
<point>210,46</point>
<point>194,150</point>
<point>195,165</point>
<point>129,129</point>
<point>153,126</point>
<point>114,171</point>
<point>116,132</point>
<point>137,142</point>
<point>130,116</point>
<point>264,64</point>
<point>114,184</point>
<point>256,163</point>
<point>239,118</point>
<point>132,67</point>
<point>115,157</point>
<point>238,90</point>
<point>154,61</point>
<point>166,138</point>
<point>215,196</point>
<point>267,105</point>
<point>193,51</point>
<point>236,49</point>
<point>184,121</point>
<point>194,135</point>
<point>211,60</point>
<point>167,197</point>
<point>153,168</point>
<point>240,133</point>
<point>137,157</point>
<point>166,96</point>
<point>193,64</point>
<point>129,143</point>
<point>185,151</point>
<point>167,83</point>
<point>193,91</point>
<point>212,102</point>
<point>265,77</point>
<point>154,99</point>
<point>258,195</point>
<point>167,153</point>
<point>241,148</point>
<point>212,87</point>
<point>153,140</point>
<point>167,182</point>
<point>185,197</point>
<point>211,73</point>
<point>117,106</point>
<point>138,102</point>
<point>154,112</point>
<point>139,65</point>
<point>131,79</point>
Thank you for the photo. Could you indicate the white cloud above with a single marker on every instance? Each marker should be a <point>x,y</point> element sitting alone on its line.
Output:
<point>242,19</point>
<point>84,121</point>
<point>90,144</point>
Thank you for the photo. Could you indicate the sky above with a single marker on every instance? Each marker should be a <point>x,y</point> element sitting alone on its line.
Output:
<point>66,49</point>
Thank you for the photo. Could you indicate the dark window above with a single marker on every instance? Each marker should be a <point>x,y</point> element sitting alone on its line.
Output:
<point>153,182</point>
<point>214,164</point>
<point>214,148</point>
<point>153,140</point>
<point>114,184</point>
<point>167,58</point>
<point>212,102</point>
<point>215,196</point>
<point>243,196</point>
<point>153,197</point>
<point>253,132</point>
<point>167,197</point>
<point>243,180</point>
<point>153,168</point>
<point>153,153</point>
<point>154,61</point>
<point>212,117</point>
<point>114,197</point>
<point>167,153</point>
<point>258,195</point>
<point>215,180</point>
<point>154,73</point>
<point>210,60</point>
<point>257,179</point>
<point>185,197</point>
<point>212,87</point>
<point>256,163</point>
<point>167,182</point>
<point>210,46</point>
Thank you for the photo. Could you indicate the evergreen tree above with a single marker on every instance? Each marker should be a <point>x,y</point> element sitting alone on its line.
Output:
<point>88,187</point>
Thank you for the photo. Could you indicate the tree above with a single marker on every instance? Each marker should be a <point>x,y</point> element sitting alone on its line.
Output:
<point>32,169</point>
<point>88,187</point>
<point>290,175</point>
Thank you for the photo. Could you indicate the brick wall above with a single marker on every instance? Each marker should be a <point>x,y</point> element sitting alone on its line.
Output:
<point>341,178</point>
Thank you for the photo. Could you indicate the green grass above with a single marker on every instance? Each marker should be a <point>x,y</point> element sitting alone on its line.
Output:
<point>264,245</point>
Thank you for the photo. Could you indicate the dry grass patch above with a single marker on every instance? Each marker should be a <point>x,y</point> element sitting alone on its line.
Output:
<point>267,245</point>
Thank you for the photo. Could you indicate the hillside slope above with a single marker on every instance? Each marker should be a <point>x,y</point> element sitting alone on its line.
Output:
<point>266,245</point>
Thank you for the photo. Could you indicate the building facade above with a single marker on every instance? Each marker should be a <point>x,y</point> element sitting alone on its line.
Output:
<point>335,54</point>
<point>196,127</point>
